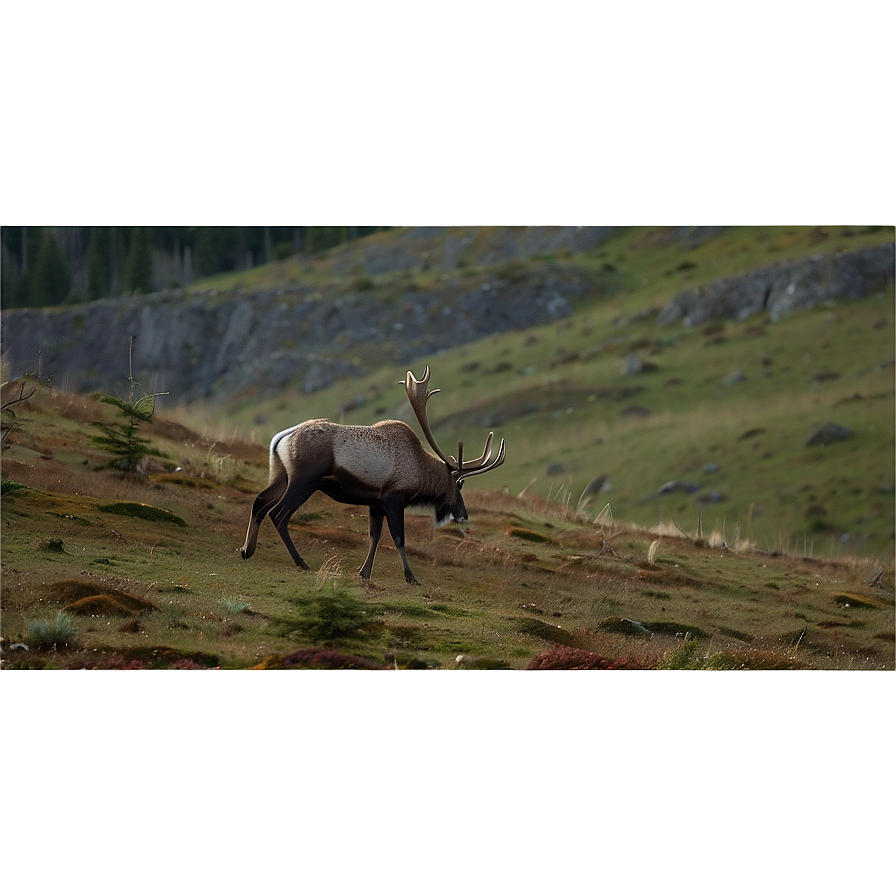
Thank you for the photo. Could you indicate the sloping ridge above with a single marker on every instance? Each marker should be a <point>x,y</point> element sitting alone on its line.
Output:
<point>224,344</point>
<point>783,288</point>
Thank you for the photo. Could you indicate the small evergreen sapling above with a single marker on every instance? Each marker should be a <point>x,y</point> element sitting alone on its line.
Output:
<point>120,439</point>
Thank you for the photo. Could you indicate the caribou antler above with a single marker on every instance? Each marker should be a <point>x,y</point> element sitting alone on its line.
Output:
<point>471,469</point>
<point>419,394</point>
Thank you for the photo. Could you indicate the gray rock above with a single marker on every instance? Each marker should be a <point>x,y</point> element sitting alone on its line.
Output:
<point>783,288</point>
<point>677,486</point>
<point>632,364</point>
<point>826,434</point>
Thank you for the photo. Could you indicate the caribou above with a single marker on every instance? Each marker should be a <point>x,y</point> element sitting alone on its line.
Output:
<point>383,467</point>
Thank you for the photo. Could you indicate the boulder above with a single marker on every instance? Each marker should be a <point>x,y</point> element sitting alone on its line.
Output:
<point>827,433</point>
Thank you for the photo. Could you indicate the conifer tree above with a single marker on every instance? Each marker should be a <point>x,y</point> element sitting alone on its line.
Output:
<point>97,276</point>
<point>138,266</point>
<point>51,279</point>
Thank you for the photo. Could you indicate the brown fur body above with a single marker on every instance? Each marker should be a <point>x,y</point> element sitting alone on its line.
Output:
<point>383,466</point>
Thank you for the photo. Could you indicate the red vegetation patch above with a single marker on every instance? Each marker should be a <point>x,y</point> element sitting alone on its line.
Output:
<point>113,661</point>
<point>562,657</point>
<point>314,658</point>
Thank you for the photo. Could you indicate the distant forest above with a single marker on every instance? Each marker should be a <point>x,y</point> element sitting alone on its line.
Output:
<point>65,265</point>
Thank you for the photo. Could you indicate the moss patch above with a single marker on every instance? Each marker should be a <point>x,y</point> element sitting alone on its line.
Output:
<point>528,535</point>
<point>143,512</point>
<point>539,629</point>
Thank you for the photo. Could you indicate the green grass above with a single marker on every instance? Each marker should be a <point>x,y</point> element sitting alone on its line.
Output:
<point>523,579</point>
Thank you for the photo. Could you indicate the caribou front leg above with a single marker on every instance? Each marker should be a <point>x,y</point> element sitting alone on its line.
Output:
<point>375,529</point>
<point>395,518</point>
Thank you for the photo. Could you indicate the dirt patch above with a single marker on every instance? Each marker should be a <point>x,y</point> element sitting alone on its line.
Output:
<point>335,535</point>
<point>98,605</point>
<point>668,577</point>
<point>184,481</point>
<point>93,599</point>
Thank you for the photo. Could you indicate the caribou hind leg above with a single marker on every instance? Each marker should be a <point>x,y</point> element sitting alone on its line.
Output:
<point>296,494</point>
<point>261,507</point>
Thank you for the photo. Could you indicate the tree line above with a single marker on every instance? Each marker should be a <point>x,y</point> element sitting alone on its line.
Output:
<point>44,266</point>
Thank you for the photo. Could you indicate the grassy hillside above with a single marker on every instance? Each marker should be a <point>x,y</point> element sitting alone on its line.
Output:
<point>704,427</point>
<point>145,572</point>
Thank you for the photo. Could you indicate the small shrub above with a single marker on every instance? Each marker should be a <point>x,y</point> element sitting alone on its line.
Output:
<point>364,284</point>
<point>120,439</point>
<point>235,606</point>
<point>9,487</point>
<point>45,634</point>
<point>54,545</point>
<point>173,616</point>
<point>330,616</point>
<point>682,657</point>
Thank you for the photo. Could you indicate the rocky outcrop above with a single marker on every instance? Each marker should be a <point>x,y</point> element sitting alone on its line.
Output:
<point>783,288</point>
<point>223,344</point>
